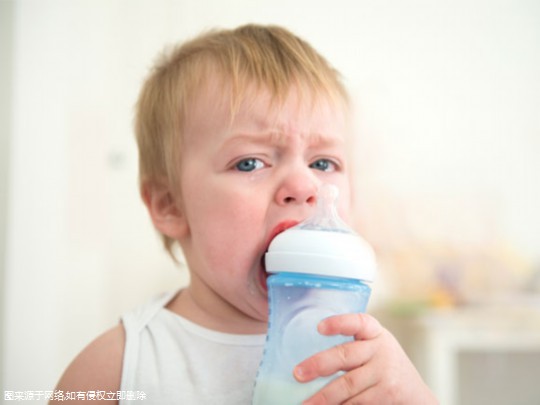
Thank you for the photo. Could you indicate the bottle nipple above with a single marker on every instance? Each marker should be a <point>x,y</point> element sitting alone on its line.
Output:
<point>322,244</point>
<point>326,217</point>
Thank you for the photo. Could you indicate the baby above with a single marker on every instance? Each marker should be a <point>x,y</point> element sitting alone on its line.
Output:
<point>237,129</point>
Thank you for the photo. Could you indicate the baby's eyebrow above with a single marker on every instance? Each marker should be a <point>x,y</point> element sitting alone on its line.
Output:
<point>280,138</point>
<point>247,139</point>
<point>324,140</point>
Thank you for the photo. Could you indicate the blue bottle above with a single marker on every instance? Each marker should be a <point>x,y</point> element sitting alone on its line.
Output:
<point>319,268</point>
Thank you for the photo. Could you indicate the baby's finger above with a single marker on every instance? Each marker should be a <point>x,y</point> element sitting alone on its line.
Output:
<point>344,357</point>
<point>361,326</point>
<point>347,386</point>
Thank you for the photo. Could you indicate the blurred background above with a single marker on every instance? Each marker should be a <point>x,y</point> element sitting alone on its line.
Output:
<point>447,97</point>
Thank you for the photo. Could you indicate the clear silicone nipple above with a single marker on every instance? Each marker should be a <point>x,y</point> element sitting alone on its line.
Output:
<point>326,217</point>
<point>323,244</point>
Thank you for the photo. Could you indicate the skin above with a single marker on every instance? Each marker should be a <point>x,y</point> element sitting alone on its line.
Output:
<point>377,369</point>
<point>241,182</point>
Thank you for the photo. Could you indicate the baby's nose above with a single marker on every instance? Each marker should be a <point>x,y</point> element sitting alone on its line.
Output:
<point>298,187</point>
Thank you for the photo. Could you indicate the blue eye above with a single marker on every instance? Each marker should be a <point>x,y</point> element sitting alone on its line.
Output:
<point>249,165</point>
<point>323,165</point>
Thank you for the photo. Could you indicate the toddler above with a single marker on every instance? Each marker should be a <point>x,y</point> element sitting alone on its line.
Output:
<point>237,129</point>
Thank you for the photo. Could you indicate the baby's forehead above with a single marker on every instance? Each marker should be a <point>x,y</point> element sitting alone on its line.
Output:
<point>263,118</point>
<point>218,108</point>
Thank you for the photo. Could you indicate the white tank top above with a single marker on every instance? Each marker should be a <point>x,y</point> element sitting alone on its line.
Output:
<point>170,360</point>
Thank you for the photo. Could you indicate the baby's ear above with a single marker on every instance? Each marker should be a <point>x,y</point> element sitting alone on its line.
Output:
<point>165,212</point>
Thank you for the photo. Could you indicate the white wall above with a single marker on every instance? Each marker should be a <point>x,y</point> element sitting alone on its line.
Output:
<point>448,95</point>
<point>6,45</point>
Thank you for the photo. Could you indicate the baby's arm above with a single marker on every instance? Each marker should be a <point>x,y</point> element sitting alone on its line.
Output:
<point>377,370</point>
<point>97,368</point>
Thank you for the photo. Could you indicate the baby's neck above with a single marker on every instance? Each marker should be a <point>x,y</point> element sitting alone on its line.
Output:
<point>229,320</point>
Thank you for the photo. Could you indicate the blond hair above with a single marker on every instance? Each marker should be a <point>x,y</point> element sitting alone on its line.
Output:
<point>267,57</point>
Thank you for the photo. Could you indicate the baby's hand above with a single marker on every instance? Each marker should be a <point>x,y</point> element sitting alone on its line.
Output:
<point>377,370</point>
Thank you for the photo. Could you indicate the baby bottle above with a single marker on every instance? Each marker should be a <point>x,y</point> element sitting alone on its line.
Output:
<point>318,269</point>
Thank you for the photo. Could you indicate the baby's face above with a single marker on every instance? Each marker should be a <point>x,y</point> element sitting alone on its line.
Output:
<point>244,181</point>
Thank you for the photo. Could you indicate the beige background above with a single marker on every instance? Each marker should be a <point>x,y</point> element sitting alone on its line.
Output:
<point>448,100</point>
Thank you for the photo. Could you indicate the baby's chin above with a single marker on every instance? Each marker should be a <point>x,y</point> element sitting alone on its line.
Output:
<point>263,276</point>
<point>259,291</point>
<point>258,284</point>
<point>259,315</point>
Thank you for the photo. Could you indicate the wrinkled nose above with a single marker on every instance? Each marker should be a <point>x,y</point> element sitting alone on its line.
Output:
<point>298,187</point>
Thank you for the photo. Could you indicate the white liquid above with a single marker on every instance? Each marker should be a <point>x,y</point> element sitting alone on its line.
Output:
<point>274,391</point>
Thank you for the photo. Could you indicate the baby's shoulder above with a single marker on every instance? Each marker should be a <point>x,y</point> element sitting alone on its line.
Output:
<point>98,367</point>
